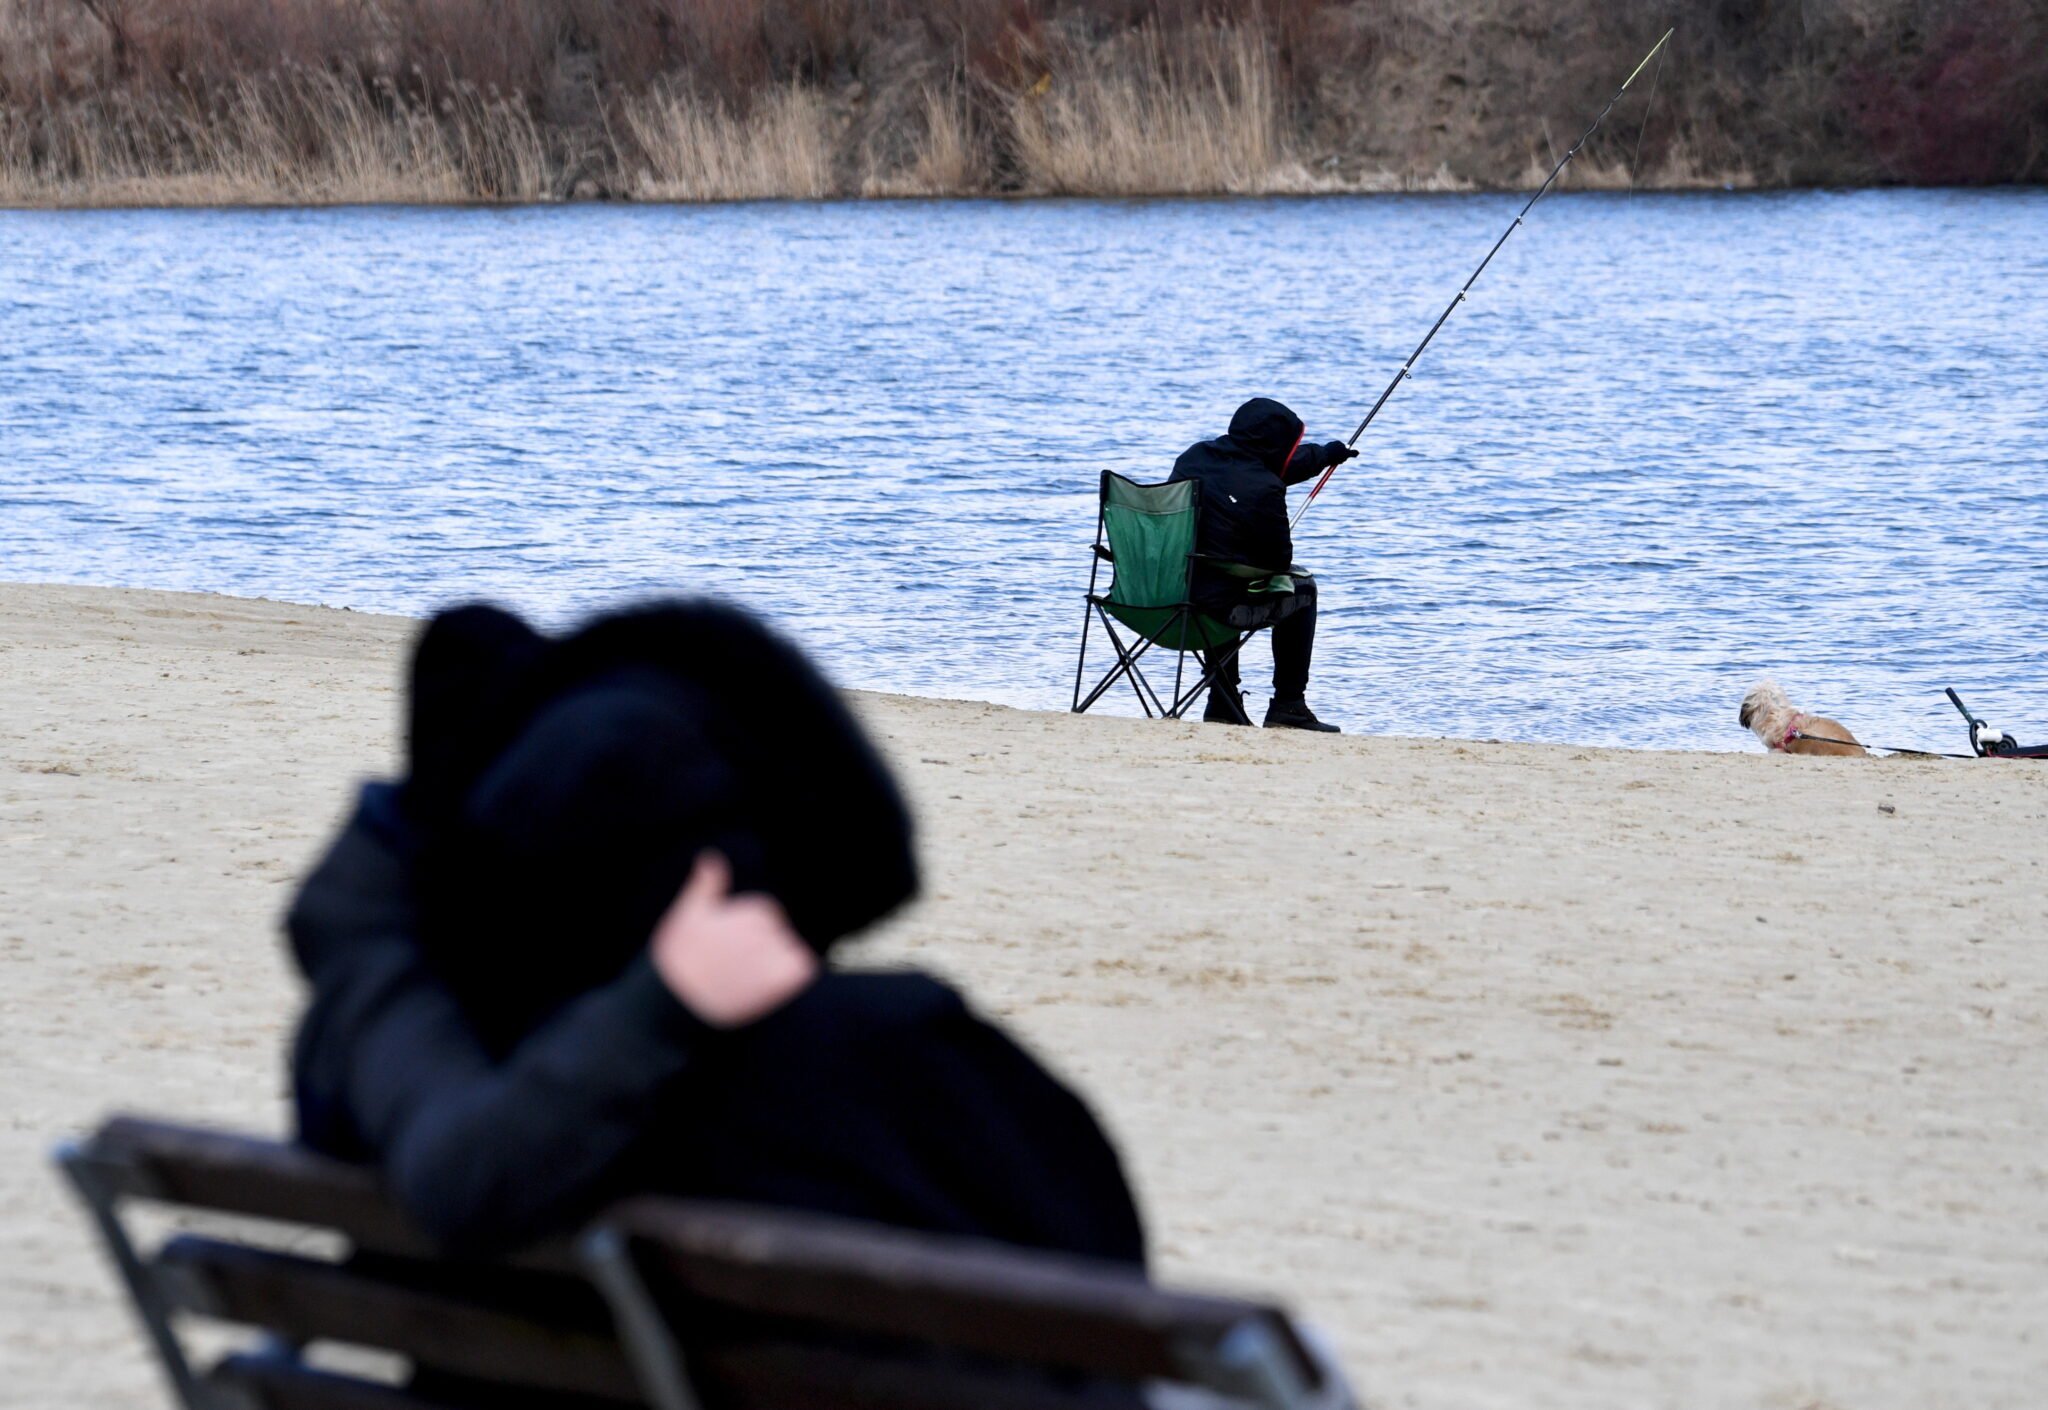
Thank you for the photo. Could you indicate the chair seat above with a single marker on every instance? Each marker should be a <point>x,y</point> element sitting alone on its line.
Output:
<point>1172,627</point>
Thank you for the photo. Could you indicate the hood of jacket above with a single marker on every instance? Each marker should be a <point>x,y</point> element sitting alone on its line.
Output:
<point>562,788</point>
<point>1268,431</point>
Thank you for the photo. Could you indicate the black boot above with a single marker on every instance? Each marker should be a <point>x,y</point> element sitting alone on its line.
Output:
<point>1226,706</point>
<point>1295,714</point>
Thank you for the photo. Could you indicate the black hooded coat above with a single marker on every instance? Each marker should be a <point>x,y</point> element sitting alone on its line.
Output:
<point>1244,477</point>
<point>487,1026</point>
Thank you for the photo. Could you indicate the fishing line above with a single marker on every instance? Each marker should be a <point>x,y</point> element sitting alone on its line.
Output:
<point>1407,368</point>
<point>1648,104</point>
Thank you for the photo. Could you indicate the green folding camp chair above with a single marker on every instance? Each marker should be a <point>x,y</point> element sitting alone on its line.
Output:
<point>1150,533</point>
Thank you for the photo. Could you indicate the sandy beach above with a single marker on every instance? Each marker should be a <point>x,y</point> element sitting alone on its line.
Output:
<point>1539,1076</point>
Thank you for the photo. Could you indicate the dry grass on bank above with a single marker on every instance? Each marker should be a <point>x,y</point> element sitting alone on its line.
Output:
<point>1200,115</point>
<point>119,101</point>
<point>945,157</point>
<point>303,138</point>
<point>695,149</point>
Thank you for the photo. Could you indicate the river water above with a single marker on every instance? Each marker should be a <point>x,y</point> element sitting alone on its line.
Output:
<point>1671,444</point>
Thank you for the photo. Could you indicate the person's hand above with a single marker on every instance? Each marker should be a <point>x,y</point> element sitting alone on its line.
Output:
<point>1338,452</point>
<point>729,959</point>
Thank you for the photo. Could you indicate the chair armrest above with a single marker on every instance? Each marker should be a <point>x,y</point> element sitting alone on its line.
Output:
<point>1102,552</point>
<point>1240,570</point>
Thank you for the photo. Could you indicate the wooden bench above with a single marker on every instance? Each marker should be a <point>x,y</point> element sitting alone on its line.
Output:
<point>661,1304</point>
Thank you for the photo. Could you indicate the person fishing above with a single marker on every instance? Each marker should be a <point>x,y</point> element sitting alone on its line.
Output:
<point>1244,517</point>
<point>1244,477</point>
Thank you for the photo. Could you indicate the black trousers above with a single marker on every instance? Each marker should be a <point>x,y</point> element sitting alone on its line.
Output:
<point>1294,636</point>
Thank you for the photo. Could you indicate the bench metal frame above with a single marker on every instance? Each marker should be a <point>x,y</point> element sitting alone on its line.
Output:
<point>813,1311</point>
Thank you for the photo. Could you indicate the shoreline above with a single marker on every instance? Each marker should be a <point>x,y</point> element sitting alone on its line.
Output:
<point>1422,187</point>
<point>1746,748</point>
<point>1706,186</point>
<point>1532,1073</point>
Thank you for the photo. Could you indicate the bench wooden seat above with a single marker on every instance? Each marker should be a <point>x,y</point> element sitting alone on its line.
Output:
<point>662,1304</point>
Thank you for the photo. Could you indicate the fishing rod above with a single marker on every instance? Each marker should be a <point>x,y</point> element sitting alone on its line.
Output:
<point>1407,368</point>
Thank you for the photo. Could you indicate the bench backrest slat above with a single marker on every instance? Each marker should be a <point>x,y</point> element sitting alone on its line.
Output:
<point>303,1299</point>
<point>276,1381</point>
<point>280,1383</point>
<point>1043,1310</point>
<point>263,1179</point>
<point>767,1376</point>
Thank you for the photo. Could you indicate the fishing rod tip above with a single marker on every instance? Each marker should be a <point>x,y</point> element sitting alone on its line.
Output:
<point>1654,48</point>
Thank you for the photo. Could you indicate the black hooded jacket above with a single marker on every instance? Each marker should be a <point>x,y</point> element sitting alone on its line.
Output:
<point>1244,477</point>
<point>485,1022</point>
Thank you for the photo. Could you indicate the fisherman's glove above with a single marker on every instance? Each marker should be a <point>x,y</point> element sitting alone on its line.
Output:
<point>1337,452</point>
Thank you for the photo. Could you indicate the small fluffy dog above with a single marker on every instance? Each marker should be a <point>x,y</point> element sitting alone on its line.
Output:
<point>1770,716</point>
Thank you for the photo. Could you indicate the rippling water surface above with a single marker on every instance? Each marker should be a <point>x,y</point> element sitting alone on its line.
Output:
<point>1672,443</point>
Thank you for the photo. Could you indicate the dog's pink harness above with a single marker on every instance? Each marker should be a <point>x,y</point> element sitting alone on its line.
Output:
<point>1791,731</point>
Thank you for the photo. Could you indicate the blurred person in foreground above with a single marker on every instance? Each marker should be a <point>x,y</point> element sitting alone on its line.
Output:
<point>581,951</point>
<point>1244,477</point>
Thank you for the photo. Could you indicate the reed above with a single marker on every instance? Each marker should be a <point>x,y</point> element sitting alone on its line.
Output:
<point>294,138</point>
<point>1149,117</point>
<point>690,148</point>
<point>946,156</point>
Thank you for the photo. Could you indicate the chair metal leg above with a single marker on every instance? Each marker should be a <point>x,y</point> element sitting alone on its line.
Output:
<point>1149,699</point>
<point>1141,686</point>
<point>1180,658</point>
<point>1123,664</point>
<point>1183,701</point>
<point>1127,664</point>
<point>1215,667</point>
<point>1081,665</point>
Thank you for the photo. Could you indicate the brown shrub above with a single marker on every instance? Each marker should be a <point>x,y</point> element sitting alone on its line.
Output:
<point>1963,99</point>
